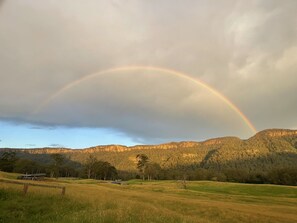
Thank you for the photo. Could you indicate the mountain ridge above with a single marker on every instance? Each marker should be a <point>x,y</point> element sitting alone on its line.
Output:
<point>267,149</point>
<point>169,145</point>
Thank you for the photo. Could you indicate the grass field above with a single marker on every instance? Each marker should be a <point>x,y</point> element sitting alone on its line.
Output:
<point>156,201</point>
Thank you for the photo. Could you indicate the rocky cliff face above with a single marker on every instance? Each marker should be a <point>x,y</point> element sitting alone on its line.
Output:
<point>267,149</point>
<point>272,133</point>
<point>40,150</point>
<point>218,141</point>
<point>278,132</point>
<point>108,148</point>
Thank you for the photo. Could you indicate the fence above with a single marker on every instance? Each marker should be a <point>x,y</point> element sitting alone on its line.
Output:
<point>26,185</point>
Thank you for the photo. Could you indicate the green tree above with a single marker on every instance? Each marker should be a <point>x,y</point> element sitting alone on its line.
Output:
<point>142,161</point>
<point>58,160</point>
<point>152,170</point>
<point>27,166</point>
<point>104,170</point>
<point>90,166</point>
<point>68,171</point>
<point>7,161</point>
<point>283,176</point>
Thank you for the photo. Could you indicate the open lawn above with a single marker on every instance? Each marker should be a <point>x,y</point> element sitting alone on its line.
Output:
<point>156,201</point>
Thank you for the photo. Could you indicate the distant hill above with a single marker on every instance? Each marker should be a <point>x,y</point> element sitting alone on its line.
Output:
<point>268,149</point>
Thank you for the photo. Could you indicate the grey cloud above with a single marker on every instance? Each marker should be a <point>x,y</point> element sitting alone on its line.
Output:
<point>56,145</point>
<point>245,49</point>
<point>42,127</point>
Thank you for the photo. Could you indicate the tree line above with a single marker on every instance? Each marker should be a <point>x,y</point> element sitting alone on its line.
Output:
<point>58,167</point>
<point>153,171</point>
<point>92,168</point>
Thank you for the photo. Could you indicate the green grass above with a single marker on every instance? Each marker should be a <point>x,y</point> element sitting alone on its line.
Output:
<point>9,175</point>
<point>153,182</point>
<point>156,201</point>
<point>16,207</point>
<point>244,189</point>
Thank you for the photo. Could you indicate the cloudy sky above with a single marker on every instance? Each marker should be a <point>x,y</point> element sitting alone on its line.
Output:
<point>245,52</point>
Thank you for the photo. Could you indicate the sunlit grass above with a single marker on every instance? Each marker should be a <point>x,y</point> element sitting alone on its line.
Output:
<point>244,189</point>
<point>15,207</point>
<point>156,201</point>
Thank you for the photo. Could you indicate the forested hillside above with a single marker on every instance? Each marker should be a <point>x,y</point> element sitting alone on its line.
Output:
<point>267,152</point>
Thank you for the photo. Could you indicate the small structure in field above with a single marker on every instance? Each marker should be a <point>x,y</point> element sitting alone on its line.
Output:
<point>117,182</point>
<point>36,176</point>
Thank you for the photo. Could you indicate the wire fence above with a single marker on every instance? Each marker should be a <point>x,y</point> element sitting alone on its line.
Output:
<point>26,185</point>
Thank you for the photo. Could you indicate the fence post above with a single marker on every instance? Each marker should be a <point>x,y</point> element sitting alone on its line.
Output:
<point>63,190</point>
<point>25,188</point>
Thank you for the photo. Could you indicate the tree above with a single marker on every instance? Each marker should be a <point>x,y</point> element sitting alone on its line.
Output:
<point>97,169</point>
<point>104,170</point>
<point>283,176</point>
<point>142,161</point>
<point>152,170</point>
<point>7,161</point>
<point>27,166</point>
<point>58,160</point>
<point>90,166</point>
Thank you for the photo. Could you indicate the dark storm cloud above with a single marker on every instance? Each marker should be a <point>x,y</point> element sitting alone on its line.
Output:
<point>245,49</point>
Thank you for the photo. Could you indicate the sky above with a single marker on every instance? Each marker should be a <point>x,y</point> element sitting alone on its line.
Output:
<point>86,73</point>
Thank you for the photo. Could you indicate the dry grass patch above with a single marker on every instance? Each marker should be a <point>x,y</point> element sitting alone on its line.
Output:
<point>162,201</point>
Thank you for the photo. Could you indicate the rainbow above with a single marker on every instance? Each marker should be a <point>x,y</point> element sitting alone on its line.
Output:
<point>149,68</point>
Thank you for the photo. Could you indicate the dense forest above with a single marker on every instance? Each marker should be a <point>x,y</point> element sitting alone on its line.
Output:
<point>268,157</point>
